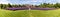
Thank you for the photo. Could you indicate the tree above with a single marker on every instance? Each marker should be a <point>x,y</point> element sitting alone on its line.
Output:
<point>1,5</point>
<point>44,5</point>
<point>41,5</point>
<point>9,5</point>
<point>4,6</point>
<point>57,5</point>
<point>50,5</point>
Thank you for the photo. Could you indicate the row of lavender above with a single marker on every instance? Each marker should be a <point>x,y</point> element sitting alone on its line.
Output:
<point>42,8</point>
<point>30,8</point>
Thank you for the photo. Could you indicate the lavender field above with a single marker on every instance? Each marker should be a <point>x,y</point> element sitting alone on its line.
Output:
<point>30,8</point>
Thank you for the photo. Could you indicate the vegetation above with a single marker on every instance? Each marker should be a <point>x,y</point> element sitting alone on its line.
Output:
<point>43,5</point>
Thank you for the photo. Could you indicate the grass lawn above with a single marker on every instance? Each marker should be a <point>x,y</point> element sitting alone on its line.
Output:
<point>30,13</point>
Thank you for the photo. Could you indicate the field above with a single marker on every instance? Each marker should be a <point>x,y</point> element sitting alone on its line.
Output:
<point>30,13</point>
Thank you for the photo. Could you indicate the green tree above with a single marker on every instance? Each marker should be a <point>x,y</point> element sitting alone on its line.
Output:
<point>1,5</point>
<point>50,5</point>
<point>57,5</point>
<point>44,5</point>
<point>9,5</point>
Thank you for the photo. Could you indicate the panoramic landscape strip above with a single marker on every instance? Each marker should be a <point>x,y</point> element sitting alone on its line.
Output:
<point>29,10</point>
<point>43,6</point>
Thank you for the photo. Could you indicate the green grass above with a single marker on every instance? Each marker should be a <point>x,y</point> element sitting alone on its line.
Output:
<point>30,13</point>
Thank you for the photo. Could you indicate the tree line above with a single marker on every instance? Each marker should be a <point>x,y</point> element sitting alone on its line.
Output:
<point>48,5</point>
<point>42,5</point>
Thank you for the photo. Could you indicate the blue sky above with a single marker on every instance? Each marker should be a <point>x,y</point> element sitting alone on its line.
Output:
<point>28,1</point>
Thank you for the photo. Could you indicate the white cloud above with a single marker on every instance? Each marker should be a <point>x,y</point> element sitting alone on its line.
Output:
<point>4,1</point>
<point>34,0</point>
<point>58,1</point>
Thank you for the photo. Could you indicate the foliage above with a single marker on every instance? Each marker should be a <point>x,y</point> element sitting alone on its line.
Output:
<point>42,5</point>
